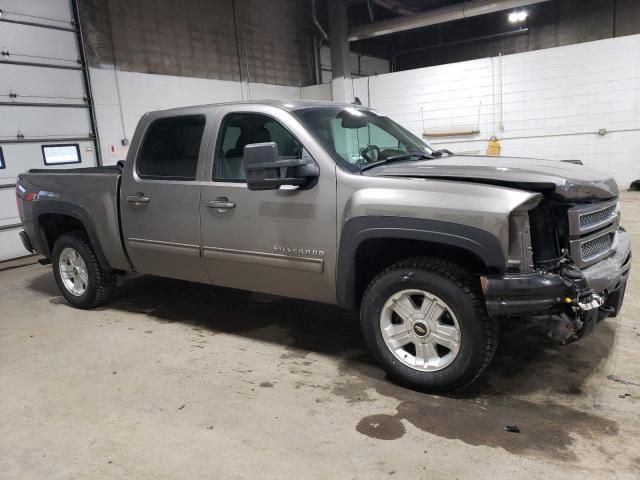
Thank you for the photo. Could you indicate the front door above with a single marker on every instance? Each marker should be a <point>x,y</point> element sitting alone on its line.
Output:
<point>160,200</point>
<point>274,241</point>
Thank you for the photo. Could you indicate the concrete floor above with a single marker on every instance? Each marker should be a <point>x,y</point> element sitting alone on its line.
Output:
<point>177,380</point>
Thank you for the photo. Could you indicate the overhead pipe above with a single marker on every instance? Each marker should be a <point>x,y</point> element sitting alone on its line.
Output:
<point>316,22</point>
<point>317,46</point>
<point>467,9</point>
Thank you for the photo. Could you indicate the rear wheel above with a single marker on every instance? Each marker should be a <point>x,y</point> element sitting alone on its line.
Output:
<point>425,322</point>
<point>80,277</point>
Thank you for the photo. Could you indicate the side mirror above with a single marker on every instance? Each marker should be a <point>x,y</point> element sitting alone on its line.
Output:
<point>265,170</point>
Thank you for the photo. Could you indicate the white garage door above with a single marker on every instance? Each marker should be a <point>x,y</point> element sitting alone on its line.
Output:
<point>46,113</point>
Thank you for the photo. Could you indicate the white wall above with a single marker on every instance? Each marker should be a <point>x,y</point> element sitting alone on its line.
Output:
<point>554,102</point>
<point>142,92</point>
<point>316,92</point>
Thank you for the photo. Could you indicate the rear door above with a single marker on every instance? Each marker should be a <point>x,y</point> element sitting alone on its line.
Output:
<point>160,197</point>
<point>275,241</point>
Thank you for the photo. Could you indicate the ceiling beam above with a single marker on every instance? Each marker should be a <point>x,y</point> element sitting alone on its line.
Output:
<point>395,6</point>
<point>471,8</point>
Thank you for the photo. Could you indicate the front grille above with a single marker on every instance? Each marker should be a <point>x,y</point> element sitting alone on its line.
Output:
<point>596,247</point>
<point>588,220</point>
<point>592,231</point>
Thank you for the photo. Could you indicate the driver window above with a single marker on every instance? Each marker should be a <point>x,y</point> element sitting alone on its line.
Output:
<point>241,129</point>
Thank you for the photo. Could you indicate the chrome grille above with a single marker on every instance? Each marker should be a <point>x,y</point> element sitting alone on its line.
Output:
<point>595,218</point>
<point>592,231</point>
<point>596,247</point>
<point>587,218</point>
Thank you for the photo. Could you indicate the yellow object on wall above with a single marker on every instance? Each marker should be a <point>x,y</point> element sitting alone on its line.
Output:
<point>494,146</point>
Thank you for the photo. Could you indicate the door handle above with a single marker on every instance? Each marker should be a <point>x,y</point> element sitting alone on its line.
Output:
<point>221,204</point>
<point>138,199</point>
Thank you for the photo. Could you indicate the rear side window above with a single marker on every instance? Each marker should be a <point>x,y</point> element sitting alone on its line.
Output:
<point>170,148</point>
<point>1,159</point>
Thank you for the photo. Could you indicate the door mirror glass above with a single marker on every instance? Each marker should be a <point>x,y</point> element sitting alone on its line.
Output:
<point>265,170</point>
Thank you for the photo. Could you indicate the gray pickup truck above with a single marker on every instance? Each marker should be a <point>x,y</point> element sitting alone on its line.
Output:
<point>336,203</point>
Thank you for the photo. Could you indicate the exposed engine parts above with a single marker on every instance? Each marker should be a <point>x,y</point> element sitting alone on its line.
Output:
<point>585,307</point>
<point>594,301</point>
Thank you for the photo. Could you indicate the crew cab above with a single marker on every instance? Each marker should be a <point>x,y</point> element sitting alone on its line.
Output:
<point>339,204</point>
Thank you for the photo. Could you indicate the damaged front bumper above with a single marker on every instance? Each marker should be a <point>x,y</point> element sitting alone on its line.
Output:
<point>552,292</point>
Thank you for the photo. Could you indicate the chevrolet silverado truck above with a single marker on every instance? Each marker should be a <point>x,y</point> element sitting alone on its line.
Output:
<point>336,203</point>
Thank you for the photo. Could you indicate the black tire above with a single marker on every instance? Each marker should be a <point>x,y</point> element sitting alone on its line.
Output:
<point>101,281</point>
<point>461,292</point>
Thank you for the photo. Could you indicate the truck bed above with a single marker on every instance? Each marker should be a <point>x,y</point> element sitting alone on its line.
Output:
<point>90,195</point>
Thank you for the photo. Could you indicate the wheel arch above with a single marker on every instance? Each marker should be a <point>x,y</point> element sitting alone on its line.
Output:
<point>54,219</point>
<point>370,244</point>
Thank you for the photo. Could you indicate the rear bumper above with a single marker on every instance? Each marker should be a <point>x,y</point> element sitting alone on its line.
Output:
<point>540,293</point>
<point>26,242</point>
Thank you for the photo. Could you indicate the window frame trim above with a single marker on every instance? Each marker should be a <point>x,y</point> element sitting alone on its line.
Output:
<point>44,156</point>
<point>220,140</point>
<point>144,138</point>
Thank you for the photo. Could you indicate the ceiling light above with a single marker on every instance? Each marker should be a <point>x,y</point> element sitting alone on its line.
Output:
<point>518,17</point>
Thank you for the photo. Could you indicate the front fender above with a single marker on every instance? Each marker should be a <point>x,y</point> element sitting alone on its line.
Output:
<point>479,242</point>
<point>485,207</point>
<point>467,215</point>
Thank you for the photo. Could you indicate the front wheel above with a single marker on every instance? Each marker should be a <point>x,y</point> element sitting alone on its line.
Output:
<point>425,322</point>
<point>80,277</point>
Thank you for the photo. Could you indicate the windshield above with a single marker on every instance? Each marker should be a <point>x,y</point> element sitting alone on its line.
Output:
<point>356,137</point>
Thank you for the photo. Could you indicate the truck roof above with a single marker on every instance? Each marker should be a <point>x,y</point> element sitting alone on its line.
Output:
<point>289,105</point>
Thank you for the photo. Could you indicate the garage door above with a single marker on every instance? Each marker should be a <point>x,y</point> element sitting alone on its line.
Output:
<point>46,113</point>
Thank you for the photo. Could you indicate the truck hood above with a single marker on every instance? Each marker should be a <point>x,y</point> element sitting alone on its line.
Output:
<point>566,181</point>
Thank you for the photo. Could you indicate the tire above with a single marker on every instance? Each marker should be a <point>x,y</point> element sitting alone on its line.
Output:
<point>453,337</point>
<point>73,256</point>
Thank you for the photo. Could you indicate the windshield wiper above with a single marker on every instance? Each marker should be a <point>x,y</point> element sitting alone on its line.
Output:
<point>442,151</point>
<point>397,158</point>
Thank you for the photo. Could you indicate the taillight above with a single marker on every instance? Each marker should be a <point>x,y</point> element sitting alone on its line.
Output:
<point>25,197</point>
<point>19,205</point>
